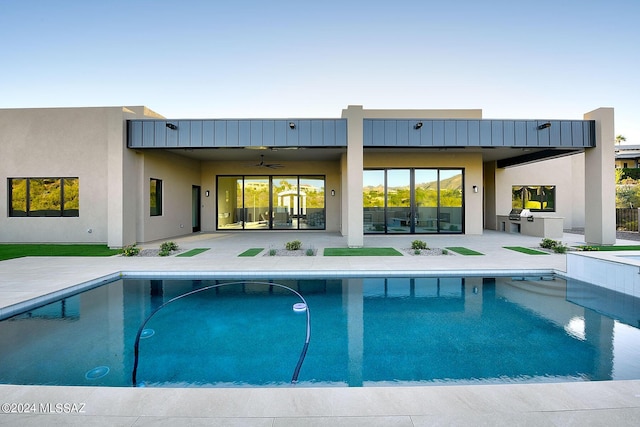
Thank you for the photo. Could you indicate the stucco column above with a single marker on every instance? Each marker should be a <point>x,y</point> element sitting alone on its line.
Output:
<point>600,187</point>
<point>352,197</point>
<point>489,193</point>
<point>122,182</point>
<point>115,177</point>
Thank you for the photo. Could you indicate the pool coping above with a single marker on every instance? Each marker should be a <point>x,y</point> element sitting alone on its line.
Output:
<point>573,403</point>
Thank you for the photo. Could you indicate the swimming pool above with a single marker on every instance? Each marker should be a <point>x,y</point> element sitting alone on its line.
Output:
<point>363,332</point>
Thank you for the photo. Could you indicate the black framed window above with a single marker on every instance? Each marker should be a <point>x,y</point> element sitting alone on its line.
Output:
<point>155,197</point>
<point>44,197</point>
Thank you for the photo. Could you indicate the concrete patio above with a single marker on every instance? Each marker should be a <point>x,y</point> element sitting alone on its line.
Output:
<point>587,403</point>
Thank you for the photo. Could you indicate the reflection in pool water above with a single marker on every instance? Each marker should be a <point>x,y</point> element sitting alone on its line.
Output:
<point>364,332</point>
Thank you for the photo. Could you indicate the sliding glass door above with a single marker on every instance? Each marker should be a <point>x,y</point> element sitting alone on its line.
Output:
<point>373,201</point>
<point>450,201</point>
<point>312,199</point>
<point>398,201</point>
<point>287,202</point>
<point>256,202</point>
<point>230,202</point>
<point>426,196</point>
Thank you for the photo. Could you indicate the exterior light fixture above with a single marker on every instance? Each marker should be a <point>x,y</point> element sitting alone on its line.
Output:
<point>418,125</point>
<point>171,126</point>
<point>544,126</point>
<point>333,192</point>
<point>475,188</point>
<point>292,125</point>
<point>206,193</point>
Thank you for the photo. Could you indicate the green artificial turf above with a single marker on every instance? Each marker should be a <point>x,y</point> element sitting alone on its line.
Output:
<point>193,252</point>
<point>525,250</point>
<point>361,252</point>
<point>9,251</point>
<point>251,252</point>
<point>614,248</point>
<point>463,251</point>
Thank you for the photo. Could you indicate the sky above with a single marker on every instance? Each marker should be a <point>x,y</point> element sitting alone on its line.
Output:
<point>549,59</point>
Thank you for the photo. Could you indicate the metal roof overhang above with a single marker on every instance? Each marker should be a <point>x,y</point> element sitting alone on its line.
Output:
<point>508,142</point>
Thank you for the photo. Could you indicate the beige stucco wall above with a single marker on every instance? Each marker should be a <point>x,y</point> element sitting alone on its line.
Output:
<point>419,113</point>
<point>178,175</point>
<point>566,173</point>
<point>578,201</point>
<point>88,143</point>
<point>330,169</point>
<point>30,147</point>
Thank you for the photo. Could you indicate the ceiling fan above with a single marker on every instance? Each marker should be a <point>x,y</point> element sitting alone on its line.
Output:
<point>262,164</point>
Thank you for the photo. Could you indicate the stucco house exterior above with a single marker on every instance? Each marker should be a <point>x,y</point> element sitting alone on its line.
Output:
<point>124,175</point>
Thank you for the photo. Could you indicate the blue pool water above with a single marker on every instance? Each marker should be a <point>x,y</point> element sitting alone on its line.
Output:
<point>363,332</point>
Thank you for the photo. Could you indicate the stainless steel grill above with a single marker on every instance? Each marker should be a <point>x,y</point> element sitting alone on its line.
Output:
<point>514,215</point>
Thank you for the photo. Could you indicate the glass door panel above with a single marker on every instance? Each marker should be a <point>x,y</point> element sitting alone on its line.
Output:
<point>399,201</point>
<point>450,218</point>
<point>256,202</point>
<point>286,202</point>
<point>312,202</point>
<point>373,201</point>
<point>230,203</point>
<point>426,199</point>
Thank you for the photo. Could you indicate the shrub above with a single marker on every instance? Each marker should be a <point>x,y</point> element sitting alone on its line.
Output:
<point>131,250</point>
<point>445,252</point>
<point>632,173</point>
<point>169,246</point>
<point>586,248</point>
<point>557,247</point>
<point>293,245</point>
<point>419,244</point>
<point>310,252</point>
<point>560,248</point>
<point>629,225</point>
<point>272,252</point>
<point>416,251</point>
<point>548,243</point>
